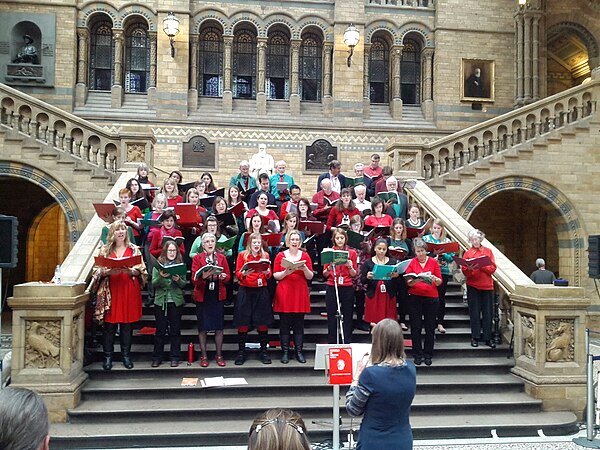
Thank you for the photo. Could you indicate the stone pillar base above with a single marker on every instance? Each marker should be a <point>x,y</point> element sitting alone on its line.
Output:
<point>261,104</point>
<point>295,105</point>
<point>152,97</point>
<point>328,106</point>
<point>396,108</point>
<point>192,100</point>
<point>48,338</point>
<point>116,96</point>
<point>81,91</point>
<point>427,108</point>
<point>227,102</point>
<point>366,107</point>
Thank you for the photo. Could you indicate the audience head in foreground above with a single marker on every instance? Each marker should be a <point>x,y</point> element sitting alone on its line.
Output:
<point>23,420</point>
<point>278,429</point>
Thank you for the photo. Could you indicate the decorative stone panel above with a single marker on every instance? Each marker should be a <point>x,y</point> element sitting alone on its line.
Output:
<point>42,344</point>
<point>560,343</point>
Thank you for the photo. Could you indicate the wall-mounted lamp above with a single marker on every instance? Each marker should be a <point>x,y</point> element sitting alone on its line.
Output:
<point>171,28</point>
<point>522,4</point>
<point>351,38</point>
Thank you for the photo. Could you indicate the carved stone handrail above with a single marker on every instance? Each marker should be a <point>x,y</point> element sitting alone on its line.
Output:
<point>430,4</point>
<point>63,131</point>
<point>451,154</point>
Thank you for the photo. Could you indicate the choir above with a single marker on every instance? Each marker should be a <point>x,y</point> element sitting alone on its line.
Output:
<point>265,240</point>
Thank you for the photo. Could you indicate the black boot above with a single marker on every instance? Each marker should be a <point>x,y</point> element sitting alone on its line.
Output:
<point>298,344</point>
<point>126,338</point>
<point>241,356</point>
<point>263,355</point>
<point>108,344</point>
<point>285,346</point>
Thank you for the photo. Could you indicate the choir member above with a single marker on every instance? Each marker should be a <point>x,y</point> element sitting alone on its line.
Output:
<point>380,300</point>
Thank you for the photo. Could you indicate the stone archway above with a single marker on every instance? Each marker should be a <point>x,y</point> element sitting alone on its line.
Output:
<point>562,221</point>
<point>53,187</point>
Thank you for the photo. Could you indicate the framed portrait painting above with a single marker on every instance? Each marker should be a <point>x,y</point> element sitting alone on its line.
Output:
<point>477,80</point>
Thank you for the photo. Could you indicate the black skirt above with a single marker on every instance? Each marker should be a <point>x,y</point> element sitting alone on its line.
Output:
<point>253,307</point>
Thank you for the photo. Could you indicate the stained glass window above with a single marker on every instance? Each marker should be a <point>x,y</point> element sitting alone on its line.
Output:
<point>379,70</point>
<point>137,58</point>
<point>101,56</point>
<point>211,62</point>
<point>410,73</point>
<point>311,67</point>
<point>244,64</point>
<point>278,65</point>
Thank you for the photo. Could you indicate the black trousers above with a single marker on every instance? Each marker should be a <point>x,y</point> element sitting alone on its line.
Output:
<point>422,311</point>
<point>402,300</point>
<point>346,306</point>
<point>291,322</point>
<point>359,305</point>
<point>441,312</point>
<point>168,324</point>
<point>481,307</point>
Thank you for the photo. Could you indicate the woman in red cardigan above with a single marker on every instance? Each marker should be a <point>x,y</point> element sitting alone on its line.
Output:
<point>342,211</point>
<point>210,293</point>
<point>423,301</point>
<point>344,274</point>
<point>480,290</point>
<point>253,304</point>
<point>167,229</point>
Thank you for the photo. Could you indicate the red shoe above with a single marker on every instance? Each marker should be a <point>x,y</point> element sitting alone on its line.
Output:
<point>220,361</point>
<point>203,361</point>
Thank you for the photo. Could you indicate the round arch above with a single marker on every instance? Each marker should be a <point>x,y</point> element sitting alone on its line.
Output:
<point>54,187</point>
<point>570,231</point>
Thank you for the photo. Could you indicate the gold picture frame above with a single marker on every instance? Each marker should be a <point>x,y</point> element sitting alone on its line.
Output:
<point>475,88</point>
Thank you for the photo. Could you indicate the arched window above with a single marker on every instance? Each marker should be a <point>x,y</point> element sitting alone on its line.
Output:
<point>311,71</point>
<point>244,64</point>
<point>211,62</point>
<point>278,65</point>
<point>101,56</point>
<point>379,70</point>
<point>410,73</point>
<point>137,58</point>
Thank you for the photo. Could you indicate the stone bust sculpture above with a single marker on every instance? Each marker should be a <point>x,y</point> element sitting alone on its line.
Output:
<point>28,53</point>
<point>261,162</point>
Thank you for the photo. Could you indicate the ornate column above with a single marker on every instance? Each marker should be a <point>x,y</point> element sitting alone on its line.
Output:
<point>261,70</point>
<point>193,88</point>
<point>327,98</point>
<point>527,60</point>
<point>528,22</point>
<point>535,58</point>
<point>519,80</point>
<point>227,63</point>
<point>295,82</point>
<point>82,64</point>
<point>152,81</point>
<point>427,102</point>
<point>366,88</point>
<point>117,88</point>
<point>396,103</point>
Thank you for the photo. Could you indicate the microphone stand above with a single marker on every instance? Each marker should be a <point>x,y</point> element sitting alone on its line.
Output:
<point>336,387</point>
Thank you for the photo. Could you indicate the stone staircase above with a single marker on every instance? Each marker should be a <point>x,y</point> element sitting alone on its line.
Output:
<point>98,103</point>
<point>412,118</point>
<point>467,392</point>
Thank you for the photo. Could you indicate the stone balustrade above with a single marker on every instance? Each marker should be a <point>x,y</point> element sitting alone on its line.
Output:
<point>430,4</point>
<point>448,155</point>
<point>67,133</point>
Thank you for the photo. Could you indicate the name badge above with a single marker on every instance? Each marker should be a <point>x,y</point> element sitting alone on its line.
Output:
<point>260,283</point>
<point>341,280</point>
<point>211,286</point>
<point>382,288</point>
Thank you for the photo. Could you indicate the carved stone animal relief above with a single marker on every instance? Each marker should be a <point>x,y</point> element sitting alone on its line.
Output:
<point>528,336</point>
<point>560,343</point>
<point>42,344</point>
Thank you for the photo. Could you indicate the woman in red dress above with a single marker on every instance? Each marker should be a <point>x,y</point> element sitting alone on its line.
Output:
<point>380,300</point>
<point>124,285</point>
<point>292,300</point>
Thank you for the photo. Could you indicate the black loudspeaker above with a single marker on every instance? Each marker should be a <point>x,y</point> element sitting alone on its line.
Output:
<point>8,242</point>
<point>594,256</point>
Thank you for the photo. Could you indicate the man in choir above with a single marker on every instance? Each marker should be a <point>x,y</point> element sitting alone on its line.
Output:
<point>361,203</point>
<point>541,275</point>
<point>292,204</point>
<point>381,185</point>
<point>359,171</point>
<point>373,170</point>
<point>264,186</point>
<point>338,181</point>
<point>324,198</point>
<point>243,179</point>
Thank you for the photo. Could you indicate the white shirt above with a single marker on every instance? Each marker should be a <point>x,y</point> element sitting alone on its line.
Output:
<point>362,205</point>
<point>335,184</point>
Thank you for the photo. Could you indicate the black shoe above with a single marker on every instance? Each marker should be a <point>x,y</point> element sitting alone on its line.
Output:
<point>240,359</point>
<point>285,358</point>
<point>474,343</point>
<point>155,363</point>
<point>427,361</point>
<point>107,363</point>
<point>300,356</point>
<point>264,357</point>
<point>418,360</point>
<point>127,362</point>
<point>490,344</point>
